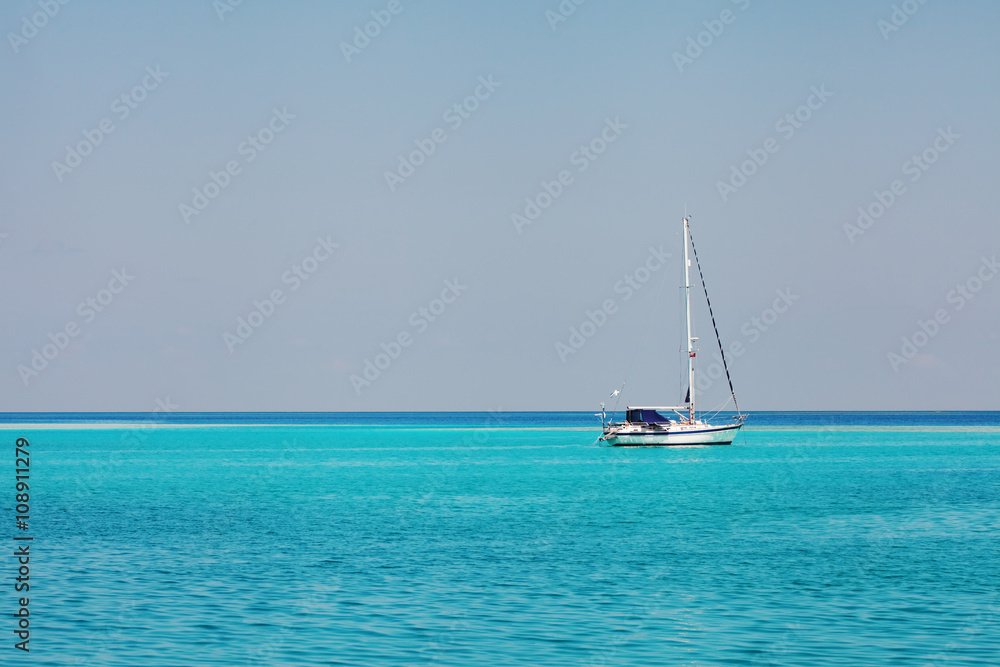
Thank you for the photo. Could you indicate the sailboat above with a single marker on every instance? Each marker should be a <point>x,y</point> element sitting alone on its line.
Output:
<point>676,424</point>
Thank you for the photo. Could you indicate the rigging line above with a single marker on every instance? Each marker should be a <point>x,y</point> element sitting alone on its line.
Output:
<point>717,338</point>
<point>716,410</point>
<point>649,321</point>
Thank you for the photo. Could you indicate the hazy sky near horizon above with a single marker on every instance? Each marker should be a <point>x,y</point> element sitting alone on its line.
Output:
<point>122,119</point>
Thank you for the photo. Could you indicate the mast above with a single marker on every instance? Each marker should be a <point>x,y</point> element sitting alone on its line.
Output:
<point>687,318</point>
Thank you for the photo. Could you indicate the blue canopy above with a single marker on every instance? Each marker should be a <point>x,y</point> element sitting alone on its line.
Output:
<point>644,415</point>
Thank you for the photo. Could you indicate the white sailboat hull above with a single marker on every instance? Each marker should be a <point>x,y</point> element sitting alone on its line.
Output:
<point>675,434</point>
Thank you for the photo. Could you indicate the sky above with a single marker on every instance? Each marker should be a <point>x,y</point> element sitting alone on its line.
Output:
<point>424,205</point>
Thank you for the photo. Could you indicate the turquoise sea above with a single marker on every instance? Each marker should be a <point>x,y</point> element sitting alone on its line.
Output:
<point>505,539</point>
